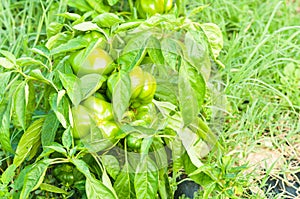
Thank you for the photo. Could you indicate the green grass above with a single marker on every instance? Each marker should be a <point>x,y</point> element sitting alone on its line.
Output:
<point>261,43</point>
<point>22,23</point>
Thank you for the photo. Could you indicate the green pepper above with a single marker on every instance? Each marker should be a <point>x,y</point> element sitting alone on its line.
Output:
<point>67,174</point>
<point>146,113</point>
<point>94,111</point>
<point>82,121</point>
<point>137,81</point>
<point>99,109</point>
<point>133,142</point>
<point>151,7</point>
<point>97,61</point>
<point>143,86</point>
<point>148,89</point>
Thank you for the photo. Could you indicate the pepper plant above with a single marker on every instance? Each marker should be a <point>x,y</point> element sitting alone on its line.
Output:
<point>110,103</point>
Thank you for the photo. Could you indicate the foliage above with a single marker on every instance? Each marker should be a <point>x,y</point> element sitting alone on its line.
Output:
<point>39,91</point>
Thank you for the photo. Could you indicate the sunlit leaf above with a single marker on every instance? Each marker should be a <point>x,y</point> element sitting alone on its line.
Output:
<point>49,129</point>
<point>122,183</point>
<point>30,138</point>
<point>215,37</point>
<point>34,177</point>
<point>4,126</point>
<point>120,85</point>
<point>72,84</point>
<point>111,164</point>
<point>107,20</point>
<point>146,179</point>
<point>71,45</point>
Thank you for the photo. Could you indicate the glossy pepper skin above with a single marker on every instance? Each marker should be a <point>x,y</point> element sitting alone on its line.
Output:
<point>97,61</point>
<point>82,121</point>
<point>146,113</point>
<point>67,174</point>
<point>151,7</point>
<point>137,81</point>
<point>134,142</point>
<point>94,112</point>
<point>143,86</point>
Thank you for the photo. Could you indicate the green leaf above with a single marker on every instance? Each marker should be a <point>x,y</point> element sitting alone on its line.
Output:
<point>215,37</point>
<point>67,138</point>
<point>4,62</point>
<point>107,182</point>
<point>189,139</point>
<point>111,165</point>
<point>166,91</point>
<point>95,189</point>
<point>52,188</point>
<point>34,177</point>
<point>58,39</point>
<point>90,83</point>
<point>81,5</point>
<point>192,89</point>
<point>28,61</point>
<point>4,126</point>
<point>72,84</point>
<point>120,84</point>
<point>134,51</point>
<point>187,99</point>
<point>146,143</point>
<point>71,45</point>
<point>82,167</point>
<point>172,52</point>
<point>19,103</point>
<point>53,28</point>
<point>167,84</point>
<point>198,84</point>
<point>122,183</point>
<point>160,155</point>
<point>128,25</point>
<point>198,52</point>
<point>8,175</point>
<point>41,50</point>
<point>144,131</point>
<point>112,2</point>
<point>4,79</point>
<point>58,148</point>
<point>49,129</point>
<point>89,26</point>
<point>208,189</point>
<point>154,51</point>
<point>37,74</point>
<point>200,175</point>
<point>177,153</point>
<point>45,153</point>
<point>11,57</point>
<point>86,26</point>
<point>60,106</point>
<point>19,181</point>
<point>71,16</point>
<point>107,20</point>
<point>164,186</point>
<point>203,131</point>
<point>98,6</point>
<point>28,141</point>
<point>146,179</point>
